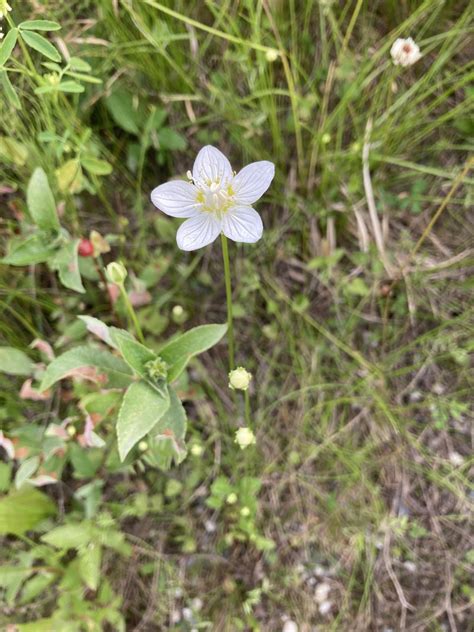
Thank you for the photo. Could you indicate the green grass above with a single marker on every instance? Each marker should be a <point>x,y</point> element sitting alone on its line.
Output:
<point>361,396</point>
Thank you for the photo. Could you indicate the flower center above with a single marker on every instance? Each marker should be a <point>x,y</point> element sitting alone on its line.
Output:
<point>216,196</point>
<point>407,48</point>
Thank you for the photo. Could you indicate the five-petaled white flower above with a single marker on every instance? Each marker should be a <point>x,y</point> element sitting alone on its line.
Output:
<point>405,52</point>
<point>216,200</point>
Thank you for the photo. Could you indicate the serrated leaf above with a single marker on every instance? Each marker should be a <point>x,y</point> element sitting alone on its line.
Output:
<point>40,44</point>
<point>90,363</point>
<point>69,536</point>
<point>181,349</point>
<point>31,250</point>
<point>142,408</point>
<point>15,362</point>
<point>66,263</point>
<point>40,201</point>
<point>26,470</point>
<point>9,90</point>
<point>8,45</point>
<point>39,25</point>
<point>89,565</point>
<point>96,166</point>
<point>22,510</point>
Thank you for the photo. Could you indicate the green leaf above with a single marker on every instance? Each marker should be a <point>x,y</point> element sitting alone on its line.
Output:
<point>5,476</point>
<point>40,200</point>
<point>15,362</point>
<point>134,353</point>
<point>26,470</point>
<point>39,25</point>
<point>29,251</point>
<point>35,586</point>
<point>96,166</point>
<point>181,349</point>
<point>89,565</point>
<point>69,536</point>
<point>13,151</point>
<point>167,437</point>
<point>66,263</point>
<point>169,140</point>
<point>70,86</point>
<point>94,364</point>
<point>9,90</point>
<point>79,65</point>
<point>8,45</point>
<point>142,408</point>
<point>22,510</point>
<point>120,106</point>
<point>40,44</point>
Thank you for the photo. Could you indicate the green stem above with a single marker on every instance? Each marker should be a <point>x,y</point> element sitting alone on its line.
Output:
<point>228,291</point>
<point>131,313</point>
<point>248,420</point>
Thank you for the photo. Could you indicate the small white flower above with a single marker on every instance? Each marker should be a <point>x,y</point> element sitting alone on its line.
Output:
<point>245,437</point>
<point>4,9</point>
<point>290,626</point>
<point>405,52</point>
<point>216,200</point>
<point>239,379</point>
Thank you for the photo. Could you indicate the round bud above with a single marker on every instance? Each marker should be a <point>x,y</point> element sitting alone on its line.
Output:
<point>143,446</point>
<point>71,431</point>
<point>231,498</point>
<point>116,272</point>
<point>245,512</point>
<point>245,437</point>
<point>197,449</point>
<point>239,379</point>
<point>271,55</point>
<point>85,248</point>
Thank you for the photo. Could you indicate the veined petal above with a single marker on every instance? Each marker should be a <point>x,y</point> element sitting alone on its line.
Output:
<point>252,181</point>
<point>242,223</point>
<point>176,198</point>
<point>211,166</point>
<point>198,231</point>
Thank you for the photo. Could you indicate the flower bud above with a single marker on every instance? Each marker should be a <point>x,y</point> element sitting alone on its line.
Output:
<point>143,446</point>
<point>245,512</point>
<point>231,498</point>
<point>71,431</point>
<point>100,245</point>
<point>85,248</point>
<point>179,314</point>
<point>271,55</point>
<point>197,449</point>
<point>245,437</point>
<point>239,379</point>
<point>116,272</point>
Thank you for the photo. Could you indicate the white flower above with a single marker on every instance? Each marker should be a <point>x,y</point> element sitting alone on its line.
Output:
<point>216,200</point>
<point>245,437</point>
<point>4,9</point>
<point>239,379</point>
<point>405,52</point>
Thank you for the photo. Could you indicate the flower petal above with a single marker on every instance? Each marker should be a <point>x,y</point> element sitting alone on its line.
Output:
<point>198,232</point>
<point>211,165</point>
<point>252,181</point>
<point>176,198</point>
<point>242,223</point>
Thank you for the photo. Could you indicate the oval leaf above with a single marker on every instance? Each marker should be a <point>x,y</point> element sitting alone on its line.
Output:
<point>39,43</point>
<point>39,25</point>
<point>15,362</point>
<point>142,408</point>
<point>40,201</point>
<point>67,264</point>
<point>180,350</point>
<point>97,365</point>
<point>9,90</point>
<point>28,252</point>
<point>8,45</point>
<point>21,511</point>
